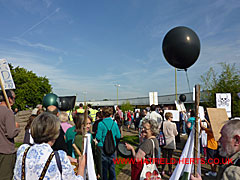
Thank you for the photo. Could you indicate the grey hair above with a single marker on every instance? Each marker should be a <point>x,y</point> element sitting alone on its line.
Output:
<point>45,127</point>
<point>63,117</point>
<point>153,125</point>
<point>232,127</point>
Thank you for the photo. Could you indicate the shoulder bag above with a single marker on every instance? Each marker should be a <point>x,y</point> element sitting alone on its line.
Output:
<point>150,170</point>
<point>161,137</point>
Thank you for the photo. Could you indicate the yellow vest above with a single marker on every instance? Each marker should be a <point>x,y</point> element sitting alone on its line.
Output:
<point>93,113</point>
<point>80,110</point>
<point>70,115</point>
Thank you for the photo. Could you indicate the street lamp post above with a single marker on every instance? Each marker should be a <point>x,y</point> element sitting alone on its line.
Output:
<point>85,94</point>
<point>117,86</point>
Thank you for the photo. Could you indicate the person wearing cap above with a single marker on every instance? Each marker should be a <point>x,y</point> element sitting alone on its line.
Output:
<point>9,129</point>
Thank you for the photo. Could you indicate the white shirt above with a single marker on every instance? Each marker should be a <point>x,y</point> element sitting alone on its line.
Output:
<point>155,116</point>
<point>35,161</point>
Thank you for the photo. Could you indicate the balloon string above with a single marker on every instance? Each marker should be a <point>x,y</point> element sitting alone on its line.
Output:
<point>187,80</point>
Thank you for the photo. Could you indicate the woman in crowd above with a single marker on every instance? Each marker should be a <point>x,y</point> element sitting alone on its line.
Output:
<point>144,113</point>
<point>63,117</point>
<point>78,141</point>
<point>170,131</point>
<point>129,120</point>
<point>39,160</point>
<point>27,137</point>
<point>118,121</point>
<point>190,122</point>
<point>145,149</point>
<point>71,133</point>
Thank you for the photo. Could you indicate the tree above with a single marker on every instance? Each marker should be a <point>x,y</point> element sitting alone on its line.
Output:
<point>228,81</point>
<point>126,106</point>
<point>30,88</point>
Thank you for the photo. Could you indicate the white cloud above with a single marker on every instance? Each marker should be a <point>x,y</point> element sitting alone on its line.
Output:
<point>24,42</point>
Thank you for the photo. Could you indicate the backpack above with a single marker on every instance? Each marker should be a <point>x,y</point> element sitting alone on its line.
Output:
<point>108,145</point>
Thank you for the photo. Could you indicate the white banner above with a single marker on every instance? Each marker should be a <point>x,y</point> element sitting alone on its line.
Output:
<point>6,75</point>
<point>201,113</point>
<point>184,168</point>
<point>223,100</point>
<point>90,163</point>
<point>153,98</point>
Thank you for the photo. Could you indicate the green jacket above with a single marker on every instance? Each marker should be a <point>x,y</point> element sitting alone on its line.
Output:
<point>102,130</point>
<point>230,171</point>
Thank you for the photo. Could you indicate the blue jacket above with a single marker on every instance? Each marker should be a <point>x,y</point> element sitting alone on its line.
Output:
<point>102,130</point>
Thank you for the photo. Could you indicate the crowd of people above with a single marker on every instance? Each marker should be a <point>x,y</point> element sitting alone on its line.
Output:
<point>53,143</point>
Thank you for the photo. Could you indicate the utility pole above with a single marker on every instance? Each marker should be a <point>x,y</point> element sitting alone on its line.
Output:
<point>117,86</point>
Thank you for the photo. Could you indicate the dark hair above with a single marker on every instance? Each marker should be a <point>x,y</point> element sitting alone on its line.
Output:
<point>118,119</point>
<point>107,112</point>
<point>81,105</point>
<point>79,121</point>
<point>99,114</point>
<point>9,94</point>
<point>193,114</point>
<point>89,105</point>
<point>30,120</point>
<point>40,111</point>
<point>153,107</point>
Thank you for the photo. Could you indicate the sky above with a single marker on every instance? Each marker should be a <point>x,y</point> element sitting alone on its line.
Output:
<point>87,47</point>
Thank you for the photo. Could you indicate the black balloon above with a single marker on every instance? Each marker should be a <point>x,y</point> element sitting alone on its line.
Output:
<point>182,98</point>
<point>67,103</point>
<point>181,47</point>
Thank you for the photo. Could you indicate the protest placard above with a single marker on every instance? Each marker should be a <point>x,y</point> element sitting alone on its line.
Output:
<point>153,98</point>
<point>175,114</point>
<point>5,75</point>
<point>217,117</point>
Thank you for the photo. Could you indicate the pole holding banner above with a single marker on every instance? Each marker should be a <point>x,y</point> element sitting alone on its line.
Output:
<point>197,100</point>
<point>4,93</point>
<point>85,123</point>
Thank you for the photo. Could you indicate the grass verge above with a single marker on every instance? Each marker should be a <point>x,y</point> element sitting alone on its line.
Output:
<point>133,140</point>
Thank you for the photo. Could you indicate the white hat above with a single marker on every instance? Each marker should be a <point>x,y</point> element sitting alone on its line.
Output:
<point>34,111</point>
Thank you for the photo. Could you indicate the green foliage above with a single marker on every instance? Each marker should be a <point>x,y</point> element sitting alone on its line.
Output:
<point>127,106</point>
<point>30,88</point>
<point>228,81</point>
<point>18,144</point>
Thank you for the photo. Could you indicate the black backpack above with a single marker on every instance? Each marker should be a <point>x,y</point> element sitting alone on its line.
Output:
<point>108,145</point>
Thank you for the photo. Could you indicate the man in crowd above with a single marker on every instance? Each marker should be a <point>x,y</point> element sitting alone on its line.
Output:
<point>107,124</point>
<point>230,148</point>
<point>154,115</point>
<point>92,112</point>
<point>80,109</point>
<point>8,130</point>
